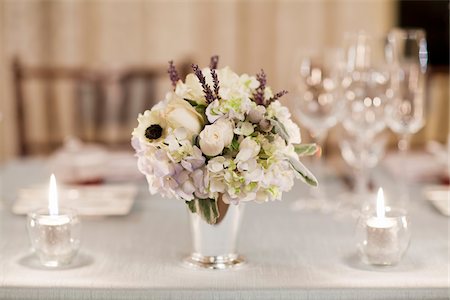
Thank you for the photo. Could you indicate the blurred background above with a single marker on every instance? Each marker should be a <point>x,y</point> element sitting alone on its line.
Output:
<point>57,56</point>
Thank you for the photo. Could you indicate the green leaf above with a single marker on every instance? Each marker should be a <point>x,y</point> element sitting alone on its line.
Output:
<point>205,208</point>
<point>304,173</point>
<point>191,102</point>
<point>235,144</point>
<point>280,129</point>
<point>306,149</point>
<point>191,206</point>
<point>200,108</point>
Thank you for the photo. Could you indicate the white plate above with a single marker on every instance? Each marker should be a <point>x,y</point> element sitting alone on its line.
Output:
<point>94,200</point>
<point>439,196</point>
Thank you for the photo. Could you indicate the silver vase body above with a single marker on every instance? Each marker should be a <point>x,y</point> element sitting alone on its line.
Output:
<point>214,246</point>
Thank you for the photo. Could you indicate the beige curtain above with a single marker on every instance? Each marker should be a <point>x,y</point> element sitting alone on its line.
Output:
<point>248,35</point>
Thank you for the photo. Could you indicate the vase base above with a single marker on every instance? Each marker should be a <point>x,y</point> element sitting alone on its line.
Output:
<point>214,262</point>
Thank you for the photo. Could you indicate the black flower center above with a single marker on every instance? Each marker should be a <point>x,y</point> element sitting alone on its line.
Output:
<point>153,132</point>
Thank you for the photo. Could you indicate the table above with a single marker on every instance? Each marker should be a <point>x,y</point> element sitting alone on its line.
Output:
<point>290,255</point>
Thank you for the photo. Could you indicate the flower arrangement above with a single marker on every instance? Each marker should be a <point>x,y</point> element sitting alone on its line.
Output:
<point>220,135</point>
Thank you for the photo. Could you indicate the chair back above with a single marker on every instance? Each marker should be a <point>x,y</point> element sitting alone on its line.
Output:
<point>93,105</point>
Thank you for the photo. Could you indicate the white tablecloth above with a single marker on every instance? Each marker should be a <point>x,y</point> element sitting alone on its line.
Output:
<point>290,255</point>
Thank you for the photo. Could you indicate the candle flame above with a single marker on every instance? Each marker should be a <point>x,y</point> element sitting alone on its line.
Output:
<point>380,204</point>
<point>53,197</point>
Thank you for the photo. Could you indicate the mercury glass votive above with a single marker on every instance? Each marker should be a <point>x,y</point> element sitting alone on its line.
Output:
<point>383,241</point>
<point>54,238</point>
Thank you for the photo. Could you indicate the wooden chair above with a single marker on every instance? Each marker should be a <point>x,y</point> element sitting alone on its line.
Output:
<point>94,105</point>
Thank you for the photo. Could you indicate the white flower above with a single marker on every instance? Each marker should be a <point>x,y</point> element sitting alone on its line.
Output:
<point>233,108</point>
<point>213,111</point>
<point>265,125</point>
<point>282,114</point>
<point>252,171</point>
<point>216,164</point>
<point>193,161</point>
<point>249,82</point>
<point>276,109</point>
<point>191,89</point>
<point>214,137</point>
<point>256,114</point>
<point>150,117</point>
<point>293,131</point>
<point>179,113</point>
<point>228,82</point>
<point>247,149</point>
<point>244,128</point>
<point>200,179</point>
<point>227,127</point>
<point>268,93</point>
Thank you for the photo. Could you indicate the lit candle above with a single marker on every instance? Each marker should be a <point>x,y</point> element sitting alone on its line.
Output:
<point>382,240</point>
<point>54,235</point>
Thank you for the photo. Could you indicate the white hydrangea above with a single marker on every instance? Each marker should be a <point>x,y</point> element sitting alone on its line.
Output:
<point>277,110</point>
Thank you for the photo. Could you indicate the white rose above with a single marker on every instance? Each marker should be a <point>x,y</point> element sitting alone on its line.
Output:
<point>214,138</point>
<point>179,113</point>
<point>227,129</point>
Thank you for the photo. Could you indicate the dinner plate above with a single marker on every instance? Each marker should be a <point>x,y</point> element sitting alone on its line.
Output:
<point>91,200</point>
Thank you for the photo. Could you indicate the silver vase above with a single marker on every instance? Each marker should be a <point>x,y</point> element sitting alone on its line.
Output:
<point>214,246</point>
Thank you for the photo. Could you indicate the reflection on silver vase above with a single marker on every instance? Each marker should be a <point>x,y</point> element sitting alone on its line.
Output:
<point>214,246</point>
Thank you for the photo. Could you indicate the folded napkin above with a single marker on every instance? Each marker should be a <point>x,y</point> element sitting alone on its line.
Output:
<point>83,163</point>
<point>414,166</point>
<point>92,200</point>
<point>442,155</point>
<point>439,196</point>
<point>77,162</point>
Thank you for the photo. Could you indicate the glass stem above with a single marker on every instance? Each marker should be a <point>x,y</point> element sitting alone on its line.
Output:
<point>361,181</point>
<point>361,176</point>
<point>404,145</point>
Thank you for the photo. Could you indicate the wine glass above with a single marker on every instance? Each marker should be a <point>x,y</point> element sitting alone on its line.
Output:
<point>359,157</point>
<point>407,53</point>
<point>318,104</point>
<point>365,83</point>
<point>319,107</point>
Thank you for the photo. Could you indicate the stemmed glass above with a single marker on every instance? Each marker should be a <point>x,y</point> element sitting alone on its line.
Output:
<point>407,52</point>
<point>366,93</point>
<point>359,158</point>
<point>318,106</point>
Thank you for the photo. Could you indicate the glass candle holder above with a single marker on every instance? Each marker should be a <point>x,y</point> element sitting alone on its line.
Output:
<point>54,238</point>
<point>383,241</point>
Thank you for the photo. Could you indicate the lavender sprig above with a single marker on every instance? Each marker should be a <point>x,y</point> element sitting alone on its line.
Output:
<point>213,62</point>
<point>258,97</point>
<point>173,74</point>
<point>206,89</point>
<point>277,96</point>
<point>216,83</point>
